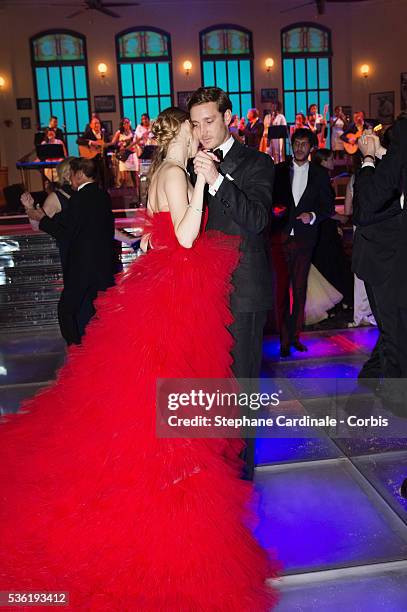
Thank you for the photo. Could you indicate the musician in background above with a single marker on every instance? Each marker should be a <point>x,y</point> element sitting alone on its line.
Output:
<point>311,124</point>
<point>92,145</point>
<point>355,129</point>
<point>128,150</point>
<point>253,131</point>
<point>277,144</point>
<point>300,122</point>
<point>50,139</point>
<point>338,124</point>
<point>53,125</point>
<point>143,131</point>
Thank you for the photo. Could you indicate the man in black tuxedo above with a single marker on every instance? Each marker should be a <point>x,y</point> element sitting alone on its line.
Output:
<point>53,125</point>
<point>239,202</point>
<point>253,131</point>
<point>87,228</point>
<point>302,198</point>
<point>374,254</point>
<point>374,188</point>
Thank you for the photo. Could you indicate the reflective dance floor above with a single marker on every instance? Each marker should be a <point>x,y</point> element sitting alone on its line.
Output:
<point>330,507</point>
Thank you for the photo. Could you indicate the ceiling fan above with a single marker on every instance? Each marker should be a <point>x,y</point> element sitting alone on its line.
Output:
<point>320,4</point>
<point>102,7</point>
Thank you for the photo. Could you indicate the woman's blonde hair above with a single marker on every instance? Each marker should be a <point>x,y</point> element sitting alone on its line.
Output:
<point>165,128</point>
<point>62,168</point>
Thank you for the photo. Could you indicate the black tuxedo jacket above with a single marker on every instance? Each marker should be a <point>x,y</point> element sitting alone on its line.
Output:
<point>89,135</point>
<point>241,207</point>
<point>253,134</point>
<point>375,187</point>
<point>318,197</point>
<point>87,229</point>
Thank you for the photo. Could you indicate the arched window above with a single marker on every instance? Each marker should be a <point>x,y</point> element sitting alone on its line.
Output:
<point>306,53</point>
<point>61,81</point>
<point>226,60</point>
<point>145,75</point>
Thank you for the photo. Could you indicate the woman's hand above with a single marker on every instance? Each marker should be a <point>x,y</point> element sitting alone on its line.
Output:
<point>27,200</point>
<point>204,163</point>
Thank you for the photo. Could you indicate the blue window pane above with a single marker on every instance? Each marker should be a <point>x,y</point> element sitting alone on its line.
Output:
<point>289,106</point>
<point>80,82</point>
<point>164,79</point>
<point>139,80</point>
<point>165,102</point>
<point>42,83</point>
<point>128,110</point>
<point>323,73</point>
<point>141,108</point>
<point>127,80</point>
<point>208,74</point>
<point>153,107</point>
<point>67,82</point>
<point>70,117</point>
<point>247,103</point>
<point>235,99</point>
<point>55,83</point>
<point>220,67</point>
<point>313,98</point>
<point>301,105</point>
<point>312,73</point>
<point>72,146</point>
<point>233,75</point>
<point>152,83</point>
<point>300,73</point>
<point>83,114</point>
<point>245,76</point>
<point>45,113</point>
<point>288,70</point>
<point>57,109</point>
<point>323,100</point>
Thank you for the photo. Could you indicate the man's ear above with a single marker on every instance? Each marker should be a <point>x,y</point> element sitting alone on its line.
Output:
<point>227,116</point>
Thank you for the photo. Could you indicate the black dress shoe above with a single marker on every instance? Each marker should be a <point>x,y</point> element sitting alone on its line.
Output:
<point>403,489</point>
<point>284,351</point>
<point>299,346</point>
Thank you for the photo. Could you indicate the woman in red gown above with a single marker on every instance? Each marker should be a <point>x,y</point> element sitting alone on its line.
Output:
<point>92,502</point>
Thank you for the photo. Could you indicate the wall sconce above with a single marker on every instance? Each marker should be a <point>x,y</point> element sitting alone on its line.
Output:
<point>269,63</point>
<point>364,70</point>
<point>2,82</point>
<point>187,65</point>
<point>102,69</point>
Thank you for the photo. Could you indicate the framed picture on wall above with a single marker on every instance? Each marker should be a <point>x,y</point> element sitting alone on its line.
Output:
<point>269,95</point>
<point>381,106</point>
<point>347,111</point>
<point>105,104</point>
<point>24,103</point>
<point>26,123</point>
<point>403,91</point>
<point>108,127</point>
<point>182,99</point>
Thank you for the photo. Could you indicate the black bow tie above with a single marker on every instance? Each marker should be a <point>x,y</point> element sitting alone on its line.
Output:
<point>219,154</point>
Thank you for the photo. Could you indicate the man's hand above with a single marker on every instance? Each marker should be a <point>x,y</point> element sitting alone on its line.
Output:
<point>204,163</point>
<point>27,200</point>
<point>36,214</point>
<point>305,217</point>
<point>369,144</point>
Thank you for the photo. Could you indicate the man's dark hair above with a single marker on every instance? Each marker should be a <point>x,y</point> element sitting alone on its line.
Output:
<point>211,94</point>
<point>87,166</point>
<point>53,117</point>
<point>303,133</point>
<point>146,115</point>
<point>321,155</point>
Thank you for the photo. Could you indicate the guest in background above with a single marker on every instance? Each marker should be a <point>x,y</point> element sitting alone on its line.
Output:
<point>278,144</point>
<point>253,131</point>
<point>338,124</point>
<point>87,229</point>
<point>300,122</point>
<point>234,127</point>
<point>128,151</point>
<point>56,203</point>
<point>329,254</point>
<point>304,192</point>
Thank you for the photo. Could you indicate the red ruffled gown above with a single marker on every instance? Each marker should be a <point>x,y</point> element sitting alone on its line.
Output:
<point>92,502</point>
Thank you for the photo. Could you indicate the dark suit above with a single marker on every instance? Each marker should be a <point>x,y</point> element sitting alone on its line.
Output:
<point>241,207</point>
<point>291,255</point>
<point>374,189</point>
<point>87,229</point>
<point>253,134</point>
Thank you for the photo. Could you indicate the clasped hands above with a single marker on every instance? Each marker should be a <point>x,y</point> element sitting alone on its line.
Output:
<point>205,164</point>
<point>369,144</point>
<point>36,214</point>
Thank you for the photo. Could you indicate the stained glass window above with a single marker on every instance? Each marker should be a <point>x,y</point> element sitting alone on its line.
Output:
<point>306,52</point>
<point>61,82</point>
<point>226,58</point>
<point>144,65</point>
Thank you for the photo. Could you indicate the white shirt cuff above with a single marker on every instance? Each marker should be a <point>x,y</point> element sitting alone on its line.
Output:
<point>380,152</point>
<point>214,188</point>
<point>368,164</point>
<point>314,218</point>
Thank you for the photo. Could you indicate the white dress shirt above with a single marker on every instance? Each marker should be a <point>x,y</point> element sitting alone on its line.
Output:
<point>299,184</point>
<point>83,185</point>
<point>225,148</point>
